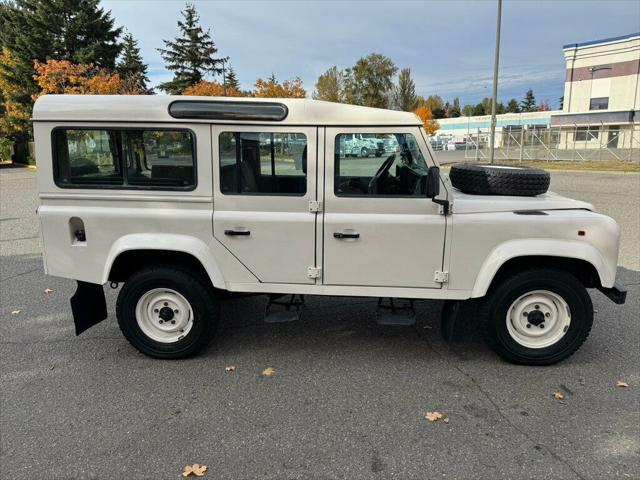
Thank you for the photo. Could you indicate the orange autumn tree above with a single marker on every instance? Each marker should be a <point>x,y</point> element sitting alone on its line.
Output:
<point>271,88</point>
<point>15,116</point>
<point>431,125</point>
<point>212,89</point>
<point>63,76</point>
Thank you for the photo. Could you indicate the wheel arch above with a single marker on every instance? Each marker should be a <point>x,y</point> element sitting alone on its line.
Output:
<point>580,259</point>
<point>132,252</point>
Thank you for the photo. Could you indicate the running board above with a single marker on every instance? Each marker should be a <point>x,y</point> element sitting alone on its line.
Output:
<point>281,310</point>
<point>395,311</point>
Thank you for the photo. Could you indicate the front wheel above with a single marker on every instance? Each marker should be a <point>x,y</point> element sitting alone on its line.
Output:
<point>167,312</point>
<point>537,317</point>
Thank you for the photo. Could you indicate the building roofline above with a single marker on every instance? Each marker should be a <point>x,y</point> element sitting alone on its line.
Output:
<point>604,40</point>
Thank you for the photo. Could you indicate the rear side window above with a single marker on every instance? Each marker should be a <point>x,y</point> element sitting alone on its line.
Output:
<point>270,163</point>
<point>124,158</point>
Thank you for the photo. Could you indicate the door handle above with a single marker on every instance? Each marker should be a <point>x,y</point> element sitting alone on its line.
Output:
<point>340,235</point>
<point>233,233</point>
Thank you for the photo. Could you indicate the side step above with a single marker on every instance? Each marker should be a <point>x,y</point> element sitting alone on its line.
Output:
<point>395,311</point>
<point>280,310</point>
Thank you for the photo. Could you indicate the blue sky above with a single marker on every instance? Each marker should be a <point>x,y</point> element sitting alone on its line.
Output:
<point>448,45</point>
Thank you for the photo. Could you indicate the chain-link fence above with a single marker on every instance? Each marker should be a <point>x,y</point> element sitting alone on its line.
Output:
<point>572,143</point>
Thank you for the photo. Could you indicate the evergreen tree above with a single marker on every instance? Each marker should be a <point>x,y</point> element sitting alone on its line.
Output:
<point>131,67</point>
<point>231,80</point>
<point>75,30</point>
<point>405,94</point>
<point>189,56</point>
<point>512,106</point>
<point>529,102</point>
<point>455,109</point>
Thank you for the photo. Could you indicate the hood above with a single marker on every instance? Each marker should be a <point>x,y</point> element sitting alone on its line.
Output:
<point>465,203</point>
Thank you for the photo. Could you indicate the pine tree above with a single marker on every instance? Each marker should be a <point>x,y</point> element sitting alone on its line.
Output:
<point>75,30</point>
<point>189,56</point>
<point>529,102</point>
<point>231,80</point>
<point>512,106</point>
<point>405,94</point>
<point>131,67</point>
<point>455,111</point>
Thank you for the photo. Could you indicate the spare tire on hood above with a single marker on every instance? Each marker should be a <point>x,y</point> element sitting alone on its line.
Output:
<point>499,179</point>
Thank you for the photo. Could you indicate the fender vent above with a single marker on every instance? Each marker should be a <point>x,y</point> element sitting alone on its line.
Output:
<point>530,212</point>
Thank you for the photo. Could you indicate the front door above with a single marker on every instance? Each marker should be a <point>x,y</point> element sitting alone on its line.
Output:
<point>379,227</point>
<point>264,179</point>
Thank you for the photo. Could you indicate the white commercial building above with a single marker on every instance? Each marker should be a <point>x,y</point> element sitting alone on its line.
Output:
<point>600,111</point>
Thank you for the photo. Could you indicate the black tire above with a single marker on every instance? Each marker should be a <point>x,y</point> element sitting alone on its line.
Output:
<point>499,180</point>
<point>495,307</point>
<point>364,152</point>
<point>187,283</point>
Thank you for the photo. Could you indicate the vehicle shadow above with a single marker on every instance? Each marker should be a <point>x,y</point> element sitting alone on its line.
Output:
<point>328,323</point>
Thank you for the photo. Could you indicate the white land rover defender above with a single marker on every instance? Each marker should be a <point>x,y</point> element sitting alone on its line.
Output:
<point>189,200</point>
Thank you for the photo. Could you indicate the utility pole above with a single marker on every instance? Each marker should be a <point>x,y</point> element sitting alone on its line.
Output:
<point>494,100</point>
<point>224,78</point>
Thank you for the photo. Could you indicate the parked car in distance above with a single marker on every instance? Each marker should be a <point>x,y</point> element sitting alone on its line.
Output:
<point>186,201</point>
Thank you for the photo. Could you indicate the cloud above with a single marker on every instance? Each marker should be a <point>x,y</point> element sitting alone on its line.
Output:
<point>448,45</point>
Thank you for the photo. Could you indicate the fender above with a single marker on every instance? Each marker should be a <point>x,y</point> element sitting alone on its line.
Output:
<point>169,241</point>
<point>543,247</point>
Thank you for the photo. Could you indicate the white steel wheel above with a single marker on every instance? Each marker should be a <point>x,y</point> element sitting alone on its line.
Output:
<point>538,319</point>
<point>164,315</point>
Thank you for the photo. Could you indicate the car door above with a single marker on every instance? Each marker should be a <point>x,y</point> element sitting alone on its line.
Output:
<point>379,227</point>
<point>264,179</point>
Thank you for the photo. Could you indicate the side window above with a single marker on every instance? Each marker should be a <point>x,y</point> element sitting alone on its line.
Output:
<point>380,164</point>
<point>159,158</point>
<point>263,163</point>
<point>127,158</point>
<point>87,157</point>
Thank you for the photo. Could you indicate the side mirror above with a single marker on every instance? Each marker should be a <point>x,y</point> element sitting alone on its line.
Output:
<point>432,187</point>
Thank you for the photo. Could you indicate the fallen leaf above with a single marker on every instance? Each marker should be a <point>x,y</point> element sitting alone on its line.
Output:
<point>268,372</point>
<point>558,395</point>
<point>230,369</point>
<point>445,419</point>
<point>433,416</point>
<point>15,312</point>
<point>622,384</point>
<point>197,470</point>
<point>48,291</point>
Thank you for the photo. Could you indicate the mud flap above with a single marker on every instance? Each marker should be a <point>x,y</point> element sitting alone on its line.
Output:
<point>88,306</point>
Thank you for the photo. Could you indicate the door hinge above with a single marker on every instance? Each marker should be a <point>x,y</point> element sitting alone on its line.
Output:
<point>440,277</point>
<point>315,206</point>
<point>313,272</point>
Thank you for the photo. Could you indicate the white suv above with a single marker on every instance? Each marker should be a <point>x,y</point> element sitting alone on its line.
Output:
<point>188,200</point>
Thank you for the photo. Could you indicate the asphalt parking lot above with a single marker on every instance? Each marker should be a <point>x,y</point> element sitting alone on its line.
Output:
<point>348,398</point>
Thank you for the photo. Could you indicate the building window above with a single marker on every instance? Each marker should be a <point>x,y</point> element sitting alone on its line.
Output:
<point>586,134</point>
<point>599,103</point>
<point>374,165</point>
<point>124,158</point>
<point>263,163</point>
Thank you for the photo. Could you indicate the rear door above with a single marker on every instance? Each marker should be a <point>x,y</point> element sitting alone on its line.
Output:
<point>264,179</point>
<point>379,227</point>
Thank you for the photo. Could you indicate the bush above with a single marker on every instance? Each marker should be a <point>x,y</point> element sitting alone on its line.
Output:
<point>6,149</point>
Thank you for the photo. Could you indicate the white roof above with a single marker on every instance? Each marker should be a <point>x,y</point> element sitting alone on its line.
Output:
<point>155,108</point>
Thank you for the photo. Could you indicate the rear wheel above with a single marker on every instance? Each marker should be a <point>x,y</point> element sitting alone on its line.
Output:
<point>364,153</point>
<point>167,312</point>
<point>537,317</point>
